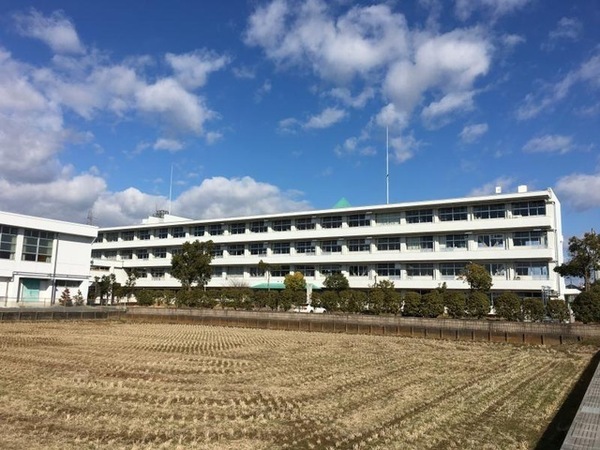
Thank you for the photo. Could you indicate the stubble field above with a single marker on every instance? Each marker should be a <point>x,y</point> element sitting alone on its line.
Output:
<point>119,385</point>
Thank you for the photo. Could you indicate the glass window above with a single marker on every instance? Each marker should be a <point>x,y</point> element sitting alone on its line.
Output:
<point>331,247</point>
<point>359,220</point>
<point>198,230</point>
<point>496,269</point>
<point>419,270</point>
<point>126,254</point>
<point>388,219</point>
<point>452,269</point>
<point>490,241</point>
<point>258,248</point>
<point>258,226</point>
<point>8,242</point>
<point>419,216</point>
<point>358,271</point>
<point>112,237</point>
<point>215,229</point>
<point>306,247</point>
<point>110,254</point>
<point>388,243</point>
<point>178,232</point>
<point>529,239</point>
<point>452,213</point>
<point>280,271</point>
<point>96,254</point>
<point>535,270</point>
<point>127,235</point>
<point>235,250</point>
<point>235,271</point>
<point>217,251</point>
<point>455,241</point>
<point>420,243</point>
<point>160,252</point>
<point>307,271</point>
<point>388,270</point>
<point>176,251</point>
<point>531,208</point>
<point>255,272</point>
<point>493,211</point>
<point>237,228</point>
<point>157,274</point>
<point>330,269</point>
<point>305,223</point>
<point>280,248</point>
<point>162,233</point>
<point>331,222</point>
<point>217,272</point>
<point>37,246</point>
<point>143,235</point>
<point>282,225</point>
<point>359,245</point>
<point>142,253</point>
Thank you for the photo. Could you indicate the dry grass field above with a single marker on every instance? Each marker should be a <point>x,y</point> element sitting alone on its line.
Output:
<point>118,385</point>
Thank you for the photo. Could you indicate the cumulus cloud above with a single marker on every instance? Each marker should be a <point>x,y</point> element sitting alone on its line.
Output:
<point>192,69</point>
<point>355,101</point>
<point>325,119</point>
<point>549,143</point>
<point>568,28</point>
<point>403,148</point>
<point>453,102</point>
<point>580,191</point>
<point>57,31</point>
<point>171,145</point>
<point>472,133</point>
<point>504,182</point>
<point>495,8</point>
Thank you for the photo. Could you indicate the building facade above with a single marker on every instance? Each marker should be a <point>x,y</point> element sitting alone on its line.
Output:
<point>419,246</point>
<point>40,258</point>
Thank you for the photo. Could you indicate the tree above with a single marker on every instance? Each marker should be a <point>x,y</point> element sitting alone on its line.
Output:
<point>78,298</point>
<point>412,304</point>
<point>129,287</point>
<point>389,299</point>
<point>336,281</point>
<point>65,298</point>
<point>508,306</point>
<point>295,281</point>
<point>477,276</point>
<point>533,309</point>
<point>432,304</point>
<point>352,301</point>
<point>105,286</point>
<point>586,307</point>
<point>557,310</point>
<point>455,304</point>
<point>478,304</point>
<point>330,300</point>
<point>192,264</point>
<point>585,258</point>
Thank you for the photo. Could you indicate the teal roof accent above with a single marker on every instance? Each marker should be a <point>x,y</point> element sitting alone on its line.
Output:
<point>342,203</point>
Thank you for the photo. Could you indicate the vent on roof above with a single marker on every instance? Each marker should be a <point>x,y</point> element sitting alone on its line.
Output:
<point>498,189</point>
<point>522,188</point>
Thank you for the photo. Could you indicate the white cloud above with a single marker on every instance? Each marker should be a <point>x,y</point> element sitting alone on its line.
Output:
<point>56,30</point>
<point>496,8</point>
<point>472,133</point>
<point>345,96</point>
<point>580,191</point>
<point>171,145</point>
<point>327,118</point>
<point>355,145</point>
<point>505,183</point>
<point>289,125</point>
<point>192,69</point>
<point>568,28</point>
<point>549,143</point>
<point>453,102</point>
<point>512,40</point>
<point>403,148</point>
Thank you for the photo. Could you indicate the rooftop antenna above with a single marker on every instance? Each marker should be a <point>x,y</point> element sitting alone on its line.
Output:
<point>90,217</point>
<point>171,188</point>
<point>387,167</point>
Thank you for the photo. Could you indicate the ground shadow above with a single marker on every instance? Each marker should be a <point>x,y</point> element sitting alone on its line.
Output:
<point>557,430</point>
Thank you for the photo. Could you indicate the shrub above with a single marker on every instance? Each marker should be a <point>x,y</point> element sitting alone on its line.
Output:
<point>533,309</point>
<point>412,304</point>
<point>478,304</point>
<point>145,297</point>
<point>432,304</point>
<point>352,301</point>
<point>330,300</point>
<point>586,307</point>
<point>557,310</point>
<point>508,306</point>
<point>455,304</point>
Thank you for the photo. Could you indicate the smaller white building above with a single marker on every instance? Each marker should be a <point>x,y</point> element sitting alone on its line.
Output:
<point>40,258</point>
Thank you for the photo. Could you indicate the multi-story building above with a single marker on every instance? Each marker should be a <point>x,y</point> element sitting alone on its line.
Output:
<point>419,246</point>
<point>39,258</point>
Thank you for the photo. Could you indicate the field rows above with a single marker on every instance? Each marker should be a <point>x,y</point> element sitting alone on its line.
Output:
<point>117,385</point>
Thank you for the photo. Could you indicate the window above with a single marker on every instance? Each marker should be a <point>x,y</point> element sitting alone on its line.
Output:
<point>331,222</point>
<point>451,270</point>
<point>258,226</point>
<point>37,246</point>
<point>144,235</point>
<point>280,248</point>
<point>215,229</point>
<point>158,274</point>
<point>235,271</point>
<point>388,270</point>
<point>389,243</point>
<point>529,239</point>
<point>112,237</point>
<point>142,253</point>
<point>280,271</point>
<point>456,241</point>
<point>217,251</point>
<point>535,270</point>
<point>490,241</point>
<point>419,216</point>
<point>127,235</point>
<point>255,272</point>
<point>237,228</point>
<point>178,232</point>
<point>419,270</point>
<point>96,254</point>
<point>198,230</point>
<point>305,247</point>
<point>330,269</point>
<point>359,245</point>
<point>388,219</point>
<point>110,254</point>
<point>496,269</point>
<point>176,251</point>
<point>305,223</point>
<point>359,220</point>
<point>494,211</point>
<point>307,271</point>
<point>235,250</point>
<point>258,249</point>
<point>420,243</point>
<point>358,271</point>
<point>8,242</point>
<point>282,225</point>
<point>160,252</point>
<point>331,247</point>
<point>217,271</point>
<point>531,208</point>
<point>100,237</point>
<point>126,254</point>
<point>162,233</point>
<point>453,213</point>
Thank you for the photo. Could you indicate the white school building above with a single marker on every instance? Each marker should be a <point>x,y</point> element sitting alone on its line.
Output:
<point>417,245</point>
<point>39,258</point>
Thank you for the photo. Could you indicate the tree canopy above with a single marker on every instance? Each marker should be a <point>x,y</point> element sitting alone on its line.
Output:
<point>585,258</point>
<point>336,281</point>
<point>477,276</point>
<point>192,264</point>
<point>295,281</point>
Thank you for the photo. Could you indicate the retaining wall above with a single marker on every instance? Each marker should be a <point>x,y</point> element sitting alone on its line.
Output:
<point>60,313</point>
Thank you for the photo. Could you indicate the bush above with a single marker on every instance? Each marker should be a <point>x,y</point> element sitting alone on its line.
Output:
<point>478,304</point>
<point>330,300</point>
<point>412,304</point>
<point>508,306</point>
<point>352,301</point>
<point>145,297</point>
<point>557,310</point>
<point>586,307</point>
<point>432,304</point>
<point>533,309</point>
<point>455,304</point>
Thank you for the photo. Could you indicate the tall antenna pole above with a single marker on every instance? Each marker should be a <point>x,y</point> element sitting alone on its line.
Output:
<point>387,168</point>
<point>171,188</point>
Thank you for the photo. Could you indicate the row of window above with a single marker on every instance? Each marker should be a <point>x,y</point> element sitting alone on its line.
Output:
<point>453,213</point>
<point>37,244</point>
<point>534,238</point>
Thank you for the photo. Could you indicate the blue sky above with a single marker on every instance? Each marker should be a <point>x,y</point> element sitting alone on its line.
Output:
<point>272,106</point>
